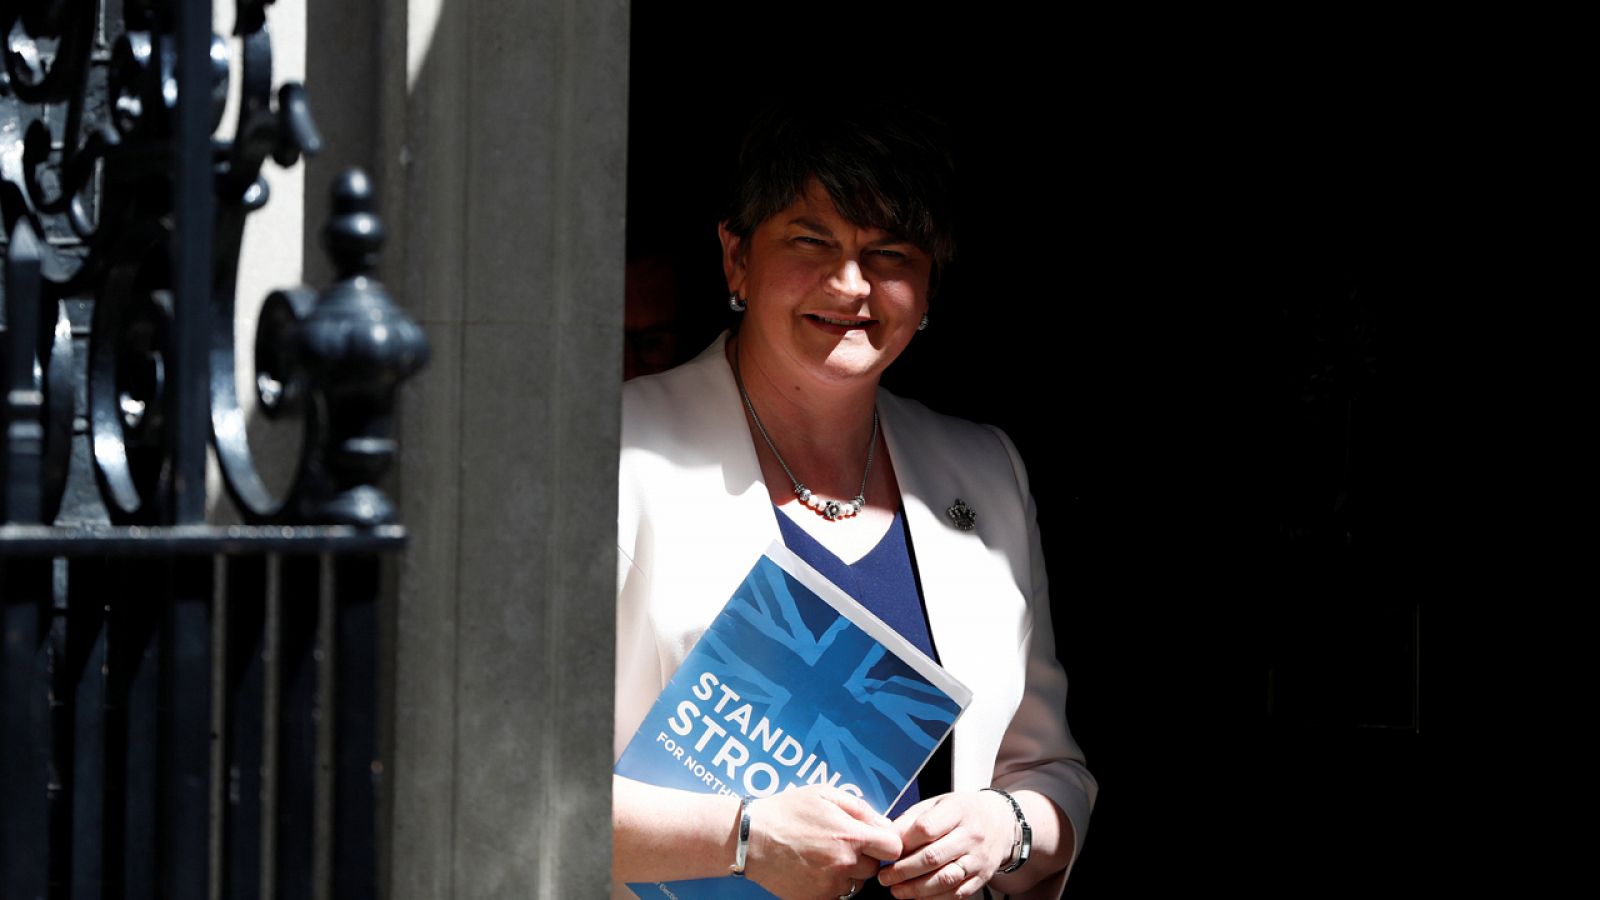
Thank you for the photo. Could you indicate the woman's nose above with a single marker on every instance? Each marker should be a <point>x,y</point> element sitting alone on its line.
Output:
<point>848,281</point>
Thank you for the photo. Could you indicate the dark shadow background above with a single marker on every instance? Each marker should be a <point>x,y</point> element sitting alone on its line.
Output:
<point>1183,257</point>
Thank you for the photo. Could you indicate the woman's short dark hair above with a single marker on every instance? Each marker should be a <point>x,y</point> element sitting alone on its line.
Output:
<point>884,167</point>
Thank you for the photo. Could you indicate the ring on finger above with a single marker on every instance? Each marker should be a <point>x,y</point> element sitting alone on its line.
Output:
<point>855,888</point>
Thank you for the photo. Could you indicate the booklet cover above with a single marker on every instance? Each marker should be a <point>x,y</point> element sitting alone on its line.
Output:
<point>794,683</point>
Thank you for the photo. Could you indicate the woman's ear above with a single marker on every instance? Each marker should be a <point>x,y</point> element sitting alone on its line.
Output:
<point>732,257</point>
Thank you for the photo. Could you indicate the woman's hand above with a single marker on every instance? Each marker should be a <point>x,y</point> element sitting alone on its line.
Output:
<point>953,844</point>
<point>817,842</point>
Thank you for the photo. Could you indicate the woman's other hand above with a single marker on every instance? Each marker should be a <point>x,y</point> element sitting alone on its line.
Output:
<point>817,842</point>
<point>953,844</point>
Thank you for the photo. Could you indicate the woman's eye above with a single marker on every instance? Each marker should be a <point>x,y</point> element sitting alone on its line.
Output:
<point>810,241</point>
<point>889,254</point>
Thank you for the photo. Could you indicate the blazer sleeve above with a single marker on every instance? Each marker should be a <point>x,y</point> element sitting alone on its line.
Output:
<point>1037,751</point>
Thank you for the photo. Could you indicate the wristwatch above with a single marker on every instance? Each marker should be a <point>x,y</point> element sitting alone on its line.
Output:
<point>1023,845</point>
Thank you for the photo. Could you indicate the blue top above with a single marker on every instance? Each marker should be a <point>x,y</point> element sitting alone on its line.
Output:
<point>885,582</point>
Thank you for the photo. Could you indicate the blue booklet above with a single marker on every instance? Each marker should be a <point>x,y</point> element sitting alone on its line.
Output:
<point>794,683</point>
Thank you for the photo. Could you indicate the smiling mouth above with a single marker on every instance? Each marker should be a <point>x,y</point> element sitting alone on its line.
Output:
<point>843,323</point>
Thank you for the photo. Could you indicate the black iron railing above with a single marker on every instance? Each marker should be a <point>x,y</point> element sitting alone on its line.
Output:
<point>187,709</point>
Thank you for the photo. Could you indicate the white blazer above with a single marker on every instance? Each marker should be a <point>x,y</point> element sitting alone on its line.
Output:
<point>694,514</point>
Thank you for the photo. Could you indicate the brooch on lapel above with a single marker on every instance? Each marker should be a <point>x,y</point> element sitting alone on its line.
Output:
<point>962,515</point>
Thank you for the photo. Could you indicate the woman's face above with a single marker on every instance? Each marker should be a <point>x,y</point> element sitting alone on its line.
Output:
<point>830,301</point>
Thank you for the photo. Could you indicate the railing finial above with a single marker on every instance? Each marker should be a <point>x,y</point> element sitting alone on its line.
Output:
<point>358,346</point>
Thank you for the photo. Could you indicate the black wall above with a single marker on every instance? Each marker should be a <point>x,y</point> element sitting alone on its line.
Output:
<point>1182,260</point>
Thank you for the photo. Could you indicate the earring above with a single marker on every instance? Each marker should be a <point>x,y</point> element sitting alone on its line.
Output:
<point>739,304</point>
<point>923,325</point>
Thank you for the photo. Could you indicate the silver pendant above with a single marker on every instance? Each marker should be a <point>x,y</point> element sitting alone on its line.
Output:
<point>962,515</point>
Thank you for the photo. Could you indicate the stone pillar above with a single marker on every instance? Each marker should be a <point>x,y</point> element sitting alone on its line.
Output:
<point>497,129</point>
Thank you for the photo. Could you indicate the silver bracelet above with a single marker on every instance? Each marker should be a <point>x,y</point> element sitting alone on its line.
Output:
<point>1022,845</point>
<point>739,854</point>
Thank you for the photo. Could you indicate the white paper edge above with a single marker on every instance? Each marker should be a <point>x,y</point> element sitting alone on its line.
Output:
<point>863,618</point>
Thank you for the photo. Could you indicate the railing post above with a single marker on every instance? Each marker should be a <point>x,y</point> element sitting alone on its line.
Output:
<point>193,179</point>
<point>25,732</point>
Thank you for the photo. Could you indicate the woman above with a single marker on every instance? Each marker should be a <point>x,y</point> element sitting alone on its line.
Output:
<point>830,248</point>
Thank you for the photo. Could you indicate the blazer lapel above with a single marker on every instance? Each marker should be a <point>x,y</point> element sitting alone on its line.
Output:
<point>712,517</point>
<point>966,583</point>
